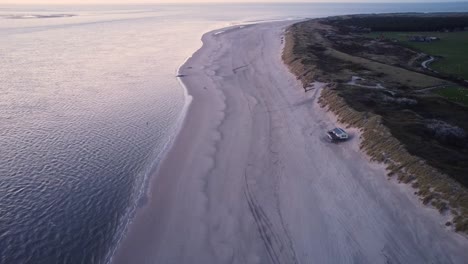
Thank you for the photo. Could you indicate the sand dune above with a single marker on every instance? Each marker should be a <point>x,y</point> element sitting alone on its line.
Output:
<point>251,178</point>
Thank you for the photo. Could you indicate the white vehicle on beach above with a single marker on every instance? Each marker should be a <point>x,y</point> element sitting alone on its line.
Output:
<point>337,134</point>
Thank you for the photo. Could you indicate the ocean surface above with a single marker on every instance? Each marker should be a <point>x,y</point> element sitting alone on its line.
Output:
<point>88,104</point>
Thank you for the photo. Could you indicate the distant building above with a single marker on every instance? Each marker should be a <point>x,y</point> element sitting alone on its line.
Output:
<point>422,38</point>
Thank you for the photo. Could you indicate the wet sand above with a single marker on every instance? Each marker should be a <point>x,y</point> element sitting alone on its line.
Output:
<point>250,177</point>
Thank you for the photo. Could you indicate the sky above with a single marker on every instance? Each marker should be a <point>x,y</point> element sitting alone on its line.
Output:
<point>199,1</point>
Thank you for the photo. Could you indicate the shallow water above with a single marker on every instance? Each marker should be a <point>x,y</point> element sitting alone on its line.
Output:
<point>88,101</point>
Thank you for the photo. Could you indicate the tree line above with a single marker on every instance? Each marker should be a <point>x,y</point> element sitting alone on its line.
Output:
<point>406,23</point>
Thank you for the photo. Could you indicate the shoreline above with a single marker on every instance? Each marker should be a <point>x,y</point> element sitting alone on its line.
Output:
<point>142,213</point>
<point>142,197</point>
<point>175,131</point>
<point>237,184</point>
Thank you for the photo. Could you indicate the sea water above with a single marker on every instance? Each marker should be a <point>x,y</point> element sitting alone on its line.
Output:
<point>88,102</point>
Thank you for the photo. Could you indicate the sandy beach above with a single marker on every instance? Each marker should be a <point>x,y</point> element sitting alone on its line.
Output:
<point>251,178</point>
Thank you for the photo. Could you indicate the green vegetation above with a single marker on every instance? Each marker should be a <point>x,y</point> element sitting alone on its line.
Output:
<point>389,74</point>
<point>406,22</point>
<point>452,48</point>
<point>456,94</point>
<point>408,124</point>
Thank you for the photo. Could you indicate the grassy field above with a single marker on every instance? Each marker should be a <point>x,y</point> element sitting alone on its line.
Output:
<point>452,47</point>
<point>391,74</point>
<point>456,94</point>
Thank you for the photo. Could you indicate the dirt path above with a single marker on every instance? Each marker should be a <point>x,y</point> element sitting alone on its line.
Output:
<point>425,64</point>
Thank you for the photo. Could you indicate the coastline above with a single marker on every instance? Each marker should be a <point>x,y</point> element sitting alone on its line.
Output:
<point>239,174</point>
<point>144,216</point>
<point>142,196</point>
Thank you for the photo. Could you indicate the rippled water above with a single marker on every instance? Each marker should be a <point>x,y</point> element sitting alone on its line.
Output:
<point>88,101</point>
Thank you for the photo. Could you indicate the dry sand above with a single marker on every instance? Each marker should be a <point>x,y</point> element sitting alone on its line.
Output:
<point>251,178</point>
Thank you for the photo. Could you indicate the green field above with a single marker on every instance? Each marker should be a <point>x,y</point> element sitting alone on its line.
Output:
<point>456,94</point>
<point>452,47</point>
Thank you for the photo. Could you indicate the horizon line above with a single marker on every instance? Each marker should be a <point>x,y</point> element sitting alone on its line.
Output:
<point>246,2</point>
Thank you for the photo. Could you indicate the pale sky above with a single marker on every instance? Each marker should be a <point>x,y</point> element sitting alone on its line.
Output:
<point>197,1</point>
